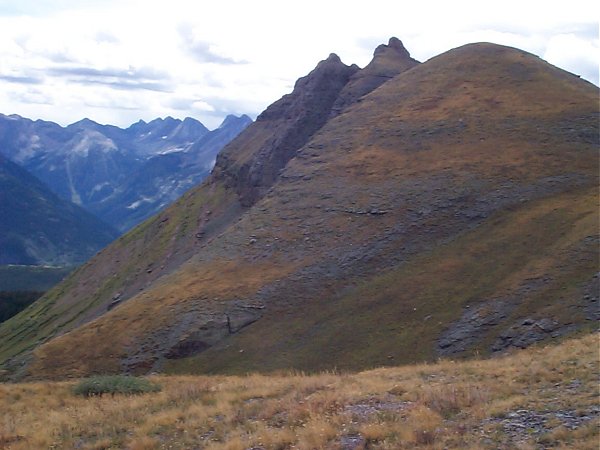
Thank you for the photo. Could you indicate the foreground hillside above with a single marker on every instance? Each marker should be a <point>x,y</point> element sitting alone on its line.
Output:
<point>536,398</point>
<point>449,211</point>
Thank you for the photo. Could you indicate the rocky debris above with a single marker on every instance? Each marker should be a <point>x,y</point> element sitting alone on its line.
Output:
<point>194,333</point>
<point>371,211</point>
<point>371,406</point>
<point>474,322</point>
<point>290,122</point>
<point>187,347</point>
<point>591,297</point>
<point>116,299</point>
<point>523,424</point>
<point>352,442</point>
<point>362,412</point>
<point>196,338</point>
<point>528,332</point>
<point>478,320</point>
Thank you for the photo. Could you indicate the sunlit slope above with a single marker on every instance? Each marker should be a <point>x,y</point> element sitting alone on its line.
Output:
<point>453,210</point>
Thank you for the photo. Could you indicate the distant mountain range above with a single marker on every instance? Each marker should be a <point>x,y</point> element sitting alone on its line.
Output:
<point>121,175</point>
<point>39,228</point>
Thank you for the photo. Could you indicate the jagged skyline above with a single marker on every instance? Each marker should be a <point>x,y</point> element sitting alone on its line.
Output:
<point>117,62</point>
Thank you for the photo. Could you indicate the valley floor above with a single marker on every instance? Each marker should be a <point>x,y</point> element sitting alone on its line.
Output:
<point>537,398</point>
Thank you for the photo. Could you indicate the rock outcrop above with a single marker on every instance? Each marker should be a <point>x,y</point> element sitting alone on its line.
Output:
<point>388,61</point>
<point>251,163</point>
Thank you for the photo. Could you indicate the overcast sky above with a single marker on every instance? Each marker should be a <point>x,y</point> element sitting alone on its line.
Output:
<point>118,61</point>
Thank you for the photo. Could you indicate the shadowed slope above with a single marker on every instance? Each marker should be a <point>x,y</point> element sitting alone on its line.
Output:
<point>466,181</point>
<point>252,164</point>
<point>38,228</point>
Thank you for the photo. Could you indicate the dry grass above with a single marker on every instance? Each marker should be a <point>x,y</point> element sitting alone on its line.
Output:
<point>443,405</point>
<point>108,335</point>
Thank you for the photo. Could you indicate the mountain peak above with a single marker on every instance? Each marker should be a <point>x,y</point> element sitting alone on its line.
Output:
<point>394,45</point>
<point>388,61</point>
<point>332,61</point>
<point>11,116</point>
<point>333,58</point>
<point>309,104</point>
<point>85,122</point>
<point>232,119</point>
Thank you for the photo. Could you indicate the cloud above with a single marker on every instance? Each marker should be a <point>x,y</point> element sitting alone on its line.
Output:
<point>144,78</point>
<point>43,7</point>
<point>237,105</point>
<point>106,37</point>
<point>202,51</point>
<point>111,106</point>
<point>58,56</point>
<point>209,59</point>
<point>32,96</point>
<point>20,79</point>
<point>189,104</point>
<point>126,85</point>
<point>128,74</point>
<point>575,54</point>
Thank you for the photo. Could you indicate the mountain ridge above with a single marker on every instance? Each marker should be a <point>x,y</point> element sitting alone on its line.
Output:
<point>96,166</point>
<point>414,206</point>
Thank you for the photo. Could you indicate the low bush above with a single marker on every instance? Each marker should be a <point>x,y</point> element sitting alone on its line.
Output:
<point>114,384</point>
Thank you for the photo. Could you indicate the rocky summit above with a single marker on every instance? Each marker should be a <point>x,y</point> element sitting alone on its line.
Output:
<point>376,216</point>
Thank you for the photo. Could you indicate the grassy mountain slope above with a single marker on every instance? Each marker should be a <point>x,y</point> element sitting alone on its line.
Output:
<point>451,211</point>
<point>166,241</point>
<point>31,278</point>
<point>163,243</point>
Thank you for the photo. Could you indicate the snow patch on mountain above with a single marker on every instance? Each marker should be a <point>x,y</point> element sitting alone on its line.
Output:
<point>93,139</point>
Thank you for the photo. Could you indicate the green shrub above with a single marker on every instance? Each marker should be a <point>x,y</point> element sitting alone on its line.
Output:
<point>114,384</point>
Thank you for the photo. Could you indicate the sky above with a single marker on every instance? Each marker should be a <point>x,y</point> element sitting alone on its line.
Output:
<point>119,61</point>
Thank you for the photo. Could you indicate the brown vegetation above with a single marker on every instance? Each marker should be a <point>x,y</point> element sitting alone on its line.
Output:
<point>541,397</point>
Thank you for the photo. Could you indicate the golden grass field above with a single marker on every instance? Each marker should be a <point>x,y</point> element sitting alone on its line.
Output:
<point>542,397</point>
